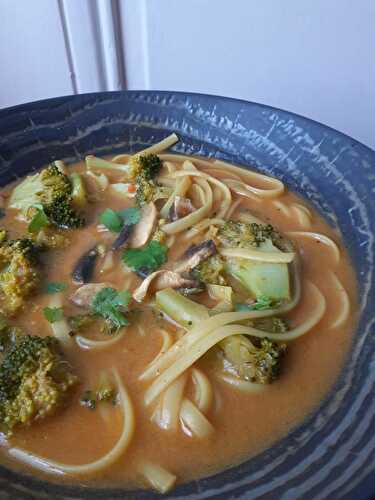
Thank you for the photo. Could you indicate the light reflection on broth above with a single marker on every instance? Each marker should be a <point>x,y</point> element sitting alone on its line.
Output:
<point>193,414</point>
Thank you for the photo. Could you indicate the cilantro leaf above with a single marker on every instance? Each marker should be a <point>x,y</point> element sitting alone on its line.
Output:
<point>130,215</point>
<point>115,221</point>
<point>55,287</point>
<point>108,303</point>
<point>53,314</point>
<point>111,220</point>
<point>148,258</point>
<point>261,304</point>
<point>39,220</point>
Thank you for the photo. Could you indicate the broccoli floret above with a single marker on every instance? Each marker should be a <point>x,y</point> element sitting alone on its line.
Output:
<point>243,235</point>
<point>210,271</point>
<point>148,191</point>
<point>34,380</point>
<point>145,190</point>
<point>50,190</point>
<point>61,213</point>
<point>148,166</point>
<point>143,170</point>
<point>19,273</point>
<point>257,361</point>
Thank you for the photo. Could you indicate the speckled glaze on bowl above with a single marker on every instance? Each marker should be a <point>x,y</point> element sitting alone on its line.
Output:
<point>332,454</point>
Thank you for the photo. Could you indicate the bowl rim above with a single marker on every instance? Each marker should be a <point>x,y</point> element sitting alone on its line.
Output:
<point>362,488</point>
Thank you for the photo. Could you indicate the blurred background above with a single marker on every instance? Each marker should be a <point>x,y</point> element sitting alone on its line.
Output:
<point>312,57</point>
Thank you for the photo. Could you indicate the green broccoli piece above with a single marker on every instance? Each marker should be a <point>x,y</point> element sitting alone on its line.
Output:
<point>61,213</point>
<point>257,361</point>
<point>34,380</point>
<point>148,166</point>
<point>19,273</point>
<point>210,271</point>
<point>259,278</point>
<point>243,235</point>
<point>145,190</point>
<point>143,170</point>
<point>51,191</point>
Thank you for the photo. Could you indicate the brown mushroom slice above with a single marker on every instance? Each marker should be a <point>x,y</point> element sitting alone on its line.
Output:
<point>170,279</point>
<point>122,239</point>
<point>164,279</point>
<point>144,228</point>
<point>84,295</point>
<point>194,255</point>
<point>85,266</point>
<point>180,208</point>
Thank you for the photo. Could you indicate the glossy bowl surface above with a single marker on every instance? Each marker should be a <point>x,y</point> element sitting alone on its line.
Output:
<point>332,454</point>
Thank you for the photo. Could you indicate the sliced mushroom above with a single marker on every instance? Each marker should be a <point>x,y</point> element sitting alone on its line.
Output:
<point>180,208</point>
<point>194,255</point>
<point>123,238</point>
<point>144,228</point>
<point>165,279</point>
<point>84,268</point>
<point>170,279</point>
<point>84,295</point>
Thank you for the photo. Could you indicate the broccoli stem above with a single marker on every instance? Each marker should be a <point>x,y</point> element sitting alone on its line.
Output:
<point>180,309</point>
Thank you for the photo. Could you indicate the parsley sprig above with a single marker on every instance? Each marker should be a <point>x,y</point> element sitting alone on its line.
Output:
<point>115,221</point>
<point>146,259</point>
<point>109,304</point>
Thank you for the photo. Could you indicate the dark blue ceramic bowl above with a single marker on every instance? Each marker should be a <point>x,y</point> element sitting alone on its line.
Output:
<point>332,454</point>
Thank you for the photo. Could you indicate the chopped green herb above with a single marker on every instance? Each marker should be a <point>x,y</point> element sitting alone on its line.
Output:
<point>261,304</point>
<point>55,287</point>
<point>130,215</point>
<point>108,304</point>
<point>39,220</point>
<point>53,314</point>
<point>111,220</point>
<point>148,258</point>
<point>114,221</point>
<point>2,213</point>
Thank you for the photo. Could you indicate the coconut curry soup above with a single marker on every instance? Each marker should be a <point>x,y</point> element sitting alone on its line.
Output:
<point>156,310</point>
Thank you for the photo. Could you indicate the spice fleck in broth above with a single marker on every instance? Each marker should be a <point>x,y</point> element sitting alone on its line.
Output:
<point>163,317</point>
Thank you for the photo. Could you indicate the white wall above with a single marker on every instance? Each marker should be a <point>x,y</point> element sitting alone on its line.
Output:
<point>313,57</point>
<point>33,59</point>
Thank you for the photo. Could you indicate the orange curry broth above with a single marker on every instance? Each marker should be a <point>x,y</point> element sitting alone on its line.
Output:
<point>244,423</point>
